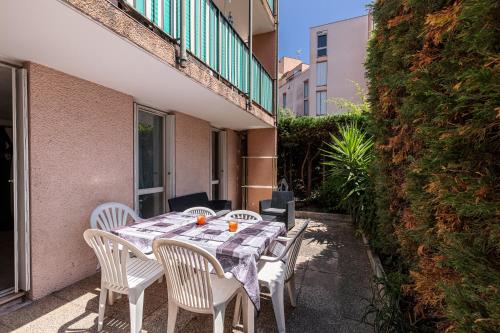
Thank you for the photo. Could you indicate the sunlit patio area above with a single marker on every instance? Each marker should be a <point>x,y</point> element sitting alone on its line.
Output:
<point>333,283</point>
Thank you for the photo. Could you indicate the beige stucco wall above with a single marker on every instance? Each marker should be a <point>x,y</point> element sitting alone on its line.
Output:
<point>192,158</point>
<point>260,172</point>
<point>192,155</point>
<point>81,154</point>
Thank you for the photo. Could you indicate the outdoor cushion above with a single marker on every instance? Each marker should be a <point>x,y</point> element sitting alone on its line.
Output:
<point>274,211</point>
<point>223,212</point>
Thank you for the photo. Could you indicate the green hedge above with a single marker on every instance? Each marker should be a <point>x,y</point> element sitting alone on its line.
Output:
<point>300,140</point>
<point>435,100</point>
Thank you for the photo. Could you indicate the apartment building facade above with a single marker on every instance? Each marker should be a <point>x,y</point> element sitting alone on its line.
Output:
<point>337,55</point>
<point>132,101</point>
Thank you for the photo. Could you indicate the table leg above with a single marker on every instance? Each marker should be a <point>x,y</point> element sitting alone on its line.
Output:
<point>248,315</point>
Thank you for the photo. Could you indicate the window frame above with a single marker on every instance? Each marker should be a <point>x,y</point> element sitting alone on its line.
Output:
<point>319,104</point>
<point>318,64</point>
<point>321,48</point>
<point>168,163</point>
<point>306,97</point>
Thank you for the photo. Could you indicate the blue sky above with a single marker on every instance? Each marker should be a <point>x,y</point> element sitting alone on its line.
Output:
<point>297,16</point>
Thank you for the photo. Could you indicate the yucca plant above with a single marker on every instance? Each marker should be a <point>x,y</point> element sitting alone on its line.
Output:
<point>348,157</point>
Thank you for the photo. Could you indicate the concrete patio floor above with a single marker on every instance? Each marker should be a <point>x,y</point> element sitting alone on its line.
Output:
<point>333,284</point>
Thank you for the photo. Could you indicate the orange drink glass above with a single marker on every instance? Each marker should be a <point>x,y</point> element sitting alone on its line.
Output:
<point>201,219</point>
<point>233,226</point>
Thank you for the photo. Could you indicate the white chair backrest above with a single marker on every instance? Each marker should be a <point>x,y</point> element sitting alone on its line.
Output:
<point>111,215</point>
<point>187,268</point>
<point>200,211</point>
<point>112,253</point>
<point>244,215</point>
<point>291,251</point>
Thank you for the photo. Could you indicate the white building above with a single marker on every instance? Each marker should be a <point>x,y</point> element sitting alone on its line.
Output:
<point>337,56</point>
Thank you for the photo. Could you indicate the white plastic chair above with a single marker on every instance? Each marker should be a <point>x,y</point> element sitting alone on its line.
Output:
<point>244,215</point>
<point>200,211</point>
<point>111,215</point>
<point>190,285</point>
<point>121,273</point>
<point>274,272</point>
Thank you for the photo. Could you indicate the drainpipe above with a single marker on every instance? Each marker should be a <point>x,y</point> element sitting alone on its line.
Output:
<point>183,55</point>
<point>250,53</point>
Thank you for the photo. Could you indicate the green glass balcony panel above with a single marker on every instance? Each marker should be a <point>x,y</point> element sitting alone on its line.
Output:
<point>188,23</point>
<point>203,30</point>
<point>154,11</point>
<point>167,17</point>
<point>140,6</point>
<point>271,5</point>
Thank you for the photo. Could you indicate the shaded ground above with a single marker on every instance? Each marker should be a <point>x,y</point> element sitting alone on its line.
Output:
<point>333,284</point>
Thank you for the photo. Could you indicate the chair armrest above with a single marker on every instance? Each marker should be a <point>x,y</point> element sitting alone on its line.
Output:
<point>269,259</point>
<point>290,211</point>
<point>283,239</point>
<point>264,204</point>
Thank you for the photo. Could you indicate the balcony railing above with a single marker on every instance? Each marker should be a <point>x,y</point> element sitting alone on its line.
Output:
<point>211,39</point>
<point>271,5</point>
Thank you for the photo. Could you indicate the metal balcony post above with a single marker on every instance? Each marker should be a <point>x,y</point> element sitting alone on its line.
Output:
<point>250,53</point>
<point>183,53</point>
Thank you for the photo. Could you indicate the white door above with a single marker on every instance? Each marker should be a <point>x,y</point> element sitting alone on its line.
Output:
<point>14,224</point>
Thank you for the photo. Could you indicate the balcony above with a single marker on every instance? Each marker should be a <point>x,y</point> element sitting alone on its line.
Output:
<point>213,40</point>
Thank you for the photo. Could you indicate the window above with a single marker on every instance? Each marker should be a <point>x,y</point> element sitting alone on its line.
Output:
<point>322,45</point>
<point>321,73</point>
<point>284,100</point>
<point>218,163</point>
<point>321,103</point>
<point>150,163</point>
<point>306,98</point>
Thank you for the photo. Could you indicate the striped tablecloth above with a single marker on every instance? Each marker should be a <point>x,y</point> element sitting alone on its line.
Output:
<point>238,252</point>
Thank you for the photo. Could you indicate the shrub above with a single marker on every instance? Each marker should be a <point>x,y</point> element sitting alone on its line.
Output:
<point>434,76</point>
<point>348,158</point>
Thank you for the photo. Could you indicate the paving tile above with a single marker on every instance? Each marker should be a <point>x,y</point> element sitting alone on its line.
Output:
<point>4,329</point>
<point>157,321</point>
<point>50,314</point>
<point>84,293</point>
<point>201,323</point>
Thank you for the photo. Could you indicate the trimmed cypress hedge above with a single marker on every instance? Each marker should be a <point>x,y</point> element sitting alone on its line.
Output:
<point>435,100</point>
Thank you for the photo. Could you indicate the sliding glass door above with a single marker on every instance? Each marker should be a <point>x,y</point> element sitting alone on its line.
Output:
<point>150,162</point>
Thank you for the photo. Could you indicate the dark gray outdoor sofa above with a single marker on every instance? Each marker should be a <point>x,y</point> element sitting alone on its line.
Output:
<point>181,203</point>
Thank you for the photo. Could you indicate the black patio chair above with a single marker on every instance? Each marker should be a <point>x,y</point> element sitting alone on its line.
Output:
<point>280,208</point>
